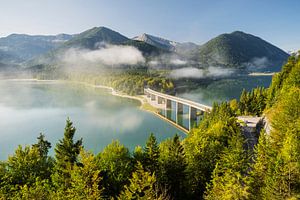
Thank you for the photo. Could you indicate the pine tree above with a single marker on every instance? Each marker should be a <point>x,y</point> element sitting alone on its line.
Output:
<point>85,179</point>
<point>139,155</point>
<point>116,166</point>
<point>263,155</point>
<point>229,180</point>
<point>151,154</point>
<point>43,145</point>
<point>172,169</point>
<point>142,186</point>
<point>66,154</point>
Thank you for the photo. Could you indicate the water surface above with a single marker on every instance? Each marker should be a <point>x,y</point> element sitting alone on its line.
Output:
<point>28,108</point>
<point>225,89</point>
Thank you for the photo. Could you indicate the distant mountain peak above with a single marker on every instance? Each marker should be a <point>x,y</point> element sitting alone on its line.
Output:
<point>157,41</point>
<point>90,37</point>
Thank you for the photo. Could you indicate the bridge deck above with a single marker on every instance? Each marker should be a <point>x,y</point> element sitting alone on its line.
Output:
<point>180,100</point>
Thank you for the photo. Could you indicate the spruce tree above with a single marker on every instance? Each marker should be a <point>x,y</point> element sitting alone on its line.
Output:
<point>151,154</point>
<point>66,154</point>
<point>85,179</point>
<point>42,145</point>
<point>66,150</point>
<point>142,186</point>
<point>172,169</point>
<point>229,180</point>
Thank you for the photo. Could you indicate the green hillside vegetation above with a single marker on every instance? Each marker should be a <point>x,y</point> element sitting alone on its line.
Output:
<point>131,81</point>
<point>128,82</point>
<point>238,48</point>
<point>210,163</point>
<point>91,38</point>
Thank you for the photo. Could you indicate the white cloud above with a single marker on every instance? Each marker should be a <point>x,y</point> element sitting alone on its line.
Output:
<point>109,55</point>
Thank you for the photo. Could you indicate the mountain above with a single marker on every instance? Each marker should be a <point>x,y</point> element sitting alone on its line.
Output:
<point>235,50</point>
<point>161,43</point>
<point>241,50</point>
<point>157,42</point>
<point>95,37</point>
<point>22,47</point>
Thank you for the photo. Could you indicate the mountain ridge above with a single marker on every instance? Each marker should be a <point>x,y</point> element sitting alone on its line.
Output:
<point>234,50</point>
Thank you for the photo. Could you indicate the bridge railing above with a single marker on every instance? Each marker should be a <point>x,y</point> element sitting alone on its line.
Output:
<point>180,100</point>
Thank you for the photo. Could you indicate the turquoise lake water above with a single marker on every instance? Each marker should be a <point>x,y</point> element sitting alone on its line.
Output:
<point>28,108</point>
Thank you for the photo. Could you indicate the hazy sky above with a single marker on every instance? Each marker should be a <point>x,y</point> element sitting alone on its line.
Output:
<point>276,21</point>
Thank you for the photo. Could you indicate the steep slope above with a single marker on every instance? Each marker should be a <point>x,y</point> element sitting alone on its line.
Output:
<point>242,50</point>
<point>93,38</point>
<point>22,47</point>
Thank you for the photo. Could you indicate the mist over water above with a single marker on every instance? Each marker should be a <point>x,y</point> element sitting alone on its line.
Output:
<point>28,108</point>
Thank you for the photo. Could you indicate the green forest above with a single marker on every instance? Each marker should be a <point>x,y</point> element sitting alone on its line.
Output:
<point>212,162</point>
<point>129,81</point>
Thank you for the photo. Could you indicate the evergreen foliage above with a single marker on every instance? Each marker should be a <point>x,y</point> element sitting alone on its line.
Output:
<point>172,167</point>
<point>142,186</point>
<point>253,102</point>
<point>116,167</point>
<point>205,144</point>
<point>151,154</point>
<point>66,156</point>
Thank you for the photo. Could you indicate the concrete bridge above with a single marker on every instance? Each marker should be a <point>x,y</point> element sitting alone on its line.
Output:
<point>182,112</point>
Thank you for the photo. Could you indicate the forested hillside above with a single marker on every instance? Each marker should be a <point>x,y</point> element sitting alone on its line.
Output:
<point>210,163</point>
<point>243,51</point>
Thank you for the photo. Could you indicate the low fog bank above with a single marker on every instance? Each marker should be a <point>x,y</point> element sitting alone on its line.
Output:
<point>196,73</point>
<point>111,55</point>
<point>14,72</point>
<point>257,64</point>
<point>114,58</point>
<point>170,60</point>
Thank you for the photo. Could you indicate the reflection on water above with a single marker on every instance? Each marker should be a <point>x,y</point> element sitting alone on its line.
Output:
<point>182,118</point>
<point>28,108</point>
<point>225,89</point>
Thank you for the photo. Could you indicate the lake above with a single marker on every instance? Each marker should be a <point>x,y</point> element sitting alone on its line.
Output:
<point>29,107</point>
<point>225,89</point>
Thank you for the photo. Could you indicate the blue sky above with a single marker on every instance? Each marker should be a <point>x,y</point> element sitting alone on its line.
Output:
<point>276,21</point>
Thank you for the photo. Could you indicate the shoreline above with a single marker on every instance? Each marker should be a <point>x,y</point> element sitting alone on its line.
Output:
<point>113,92</point>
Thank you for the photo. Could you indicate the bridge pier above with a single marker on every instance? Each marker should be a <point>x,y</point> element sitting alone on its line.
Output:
<point>153,97</point>
<point>179,111</point>
<point>168,104</point>
<point>192,117</point>
<point>168,108</point>
<point>160,100</point>
<point>176,109</point>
